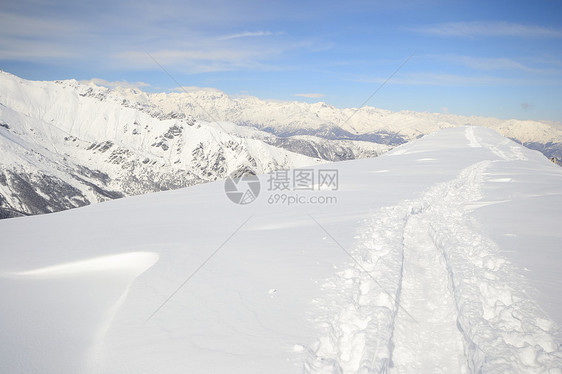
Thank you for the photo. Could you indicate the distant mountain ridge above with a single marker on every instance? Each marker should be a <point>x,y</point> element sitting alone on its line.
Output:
<point>65,144</point>
<point>289,118</point>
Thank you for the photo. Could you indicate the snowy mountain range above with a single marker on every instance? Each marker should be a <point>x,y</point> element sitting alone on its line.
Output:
<point>440,256</point>
<point>64,144</point>
<point>370,124</point>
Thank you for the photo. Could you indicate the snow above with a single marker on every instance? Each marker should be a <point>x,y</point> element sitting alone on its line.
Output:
<point>135,262</point>
<point>79,144</point>
<point>442,255</point>
<point>286,117</point>
<point>97,145</point>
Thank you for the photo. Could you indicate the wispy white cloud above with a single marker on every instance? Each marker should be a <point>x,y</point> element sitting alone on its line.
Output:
<point>113,84</point>
<point>34,26</point>
<point>198,58</point>
<point>107,38</point>
<point>488,63</point>
<point>248,34</point>
<point>30,50</point>
<point>439,79</point>
<point>28,38</point>
<point>310,95</point>
<point>484,28</point>
<point>208,54</point>
<point>457,80</point>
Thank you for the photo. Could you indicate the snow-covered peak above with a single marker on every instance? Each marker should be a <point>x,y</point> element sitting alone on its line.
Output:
<point>94,144</point>
<point>286,117</point>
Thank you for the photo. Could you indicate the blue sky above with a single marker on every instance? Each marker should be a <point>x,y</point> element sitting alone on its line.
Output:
<point>490,58</point>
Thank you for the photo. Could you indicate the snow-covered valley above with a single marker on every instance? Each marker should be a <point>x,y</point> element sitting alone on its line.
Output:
<point>440,256</point>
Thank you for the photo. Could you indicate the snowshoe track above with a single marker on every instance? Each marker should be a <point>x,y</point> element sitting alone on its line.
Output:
<point>430,294</point>
<point>427,295</point>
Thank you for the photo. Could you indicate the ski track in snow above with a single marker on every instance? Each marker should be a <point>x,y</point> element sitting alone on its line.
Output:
<point>427,296</point>
<point>431,294</point>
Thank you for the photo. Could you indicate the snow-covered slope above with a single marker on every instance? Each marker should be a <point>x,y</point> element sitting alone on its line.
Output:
<point>63,144</point>
<point>441,256</point>
<point>308,145</point>
<point>323,120</point>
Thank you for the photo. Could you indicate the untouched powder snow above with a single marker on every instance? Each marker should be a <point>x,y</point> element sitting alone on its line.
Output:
<point>441,256</point>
